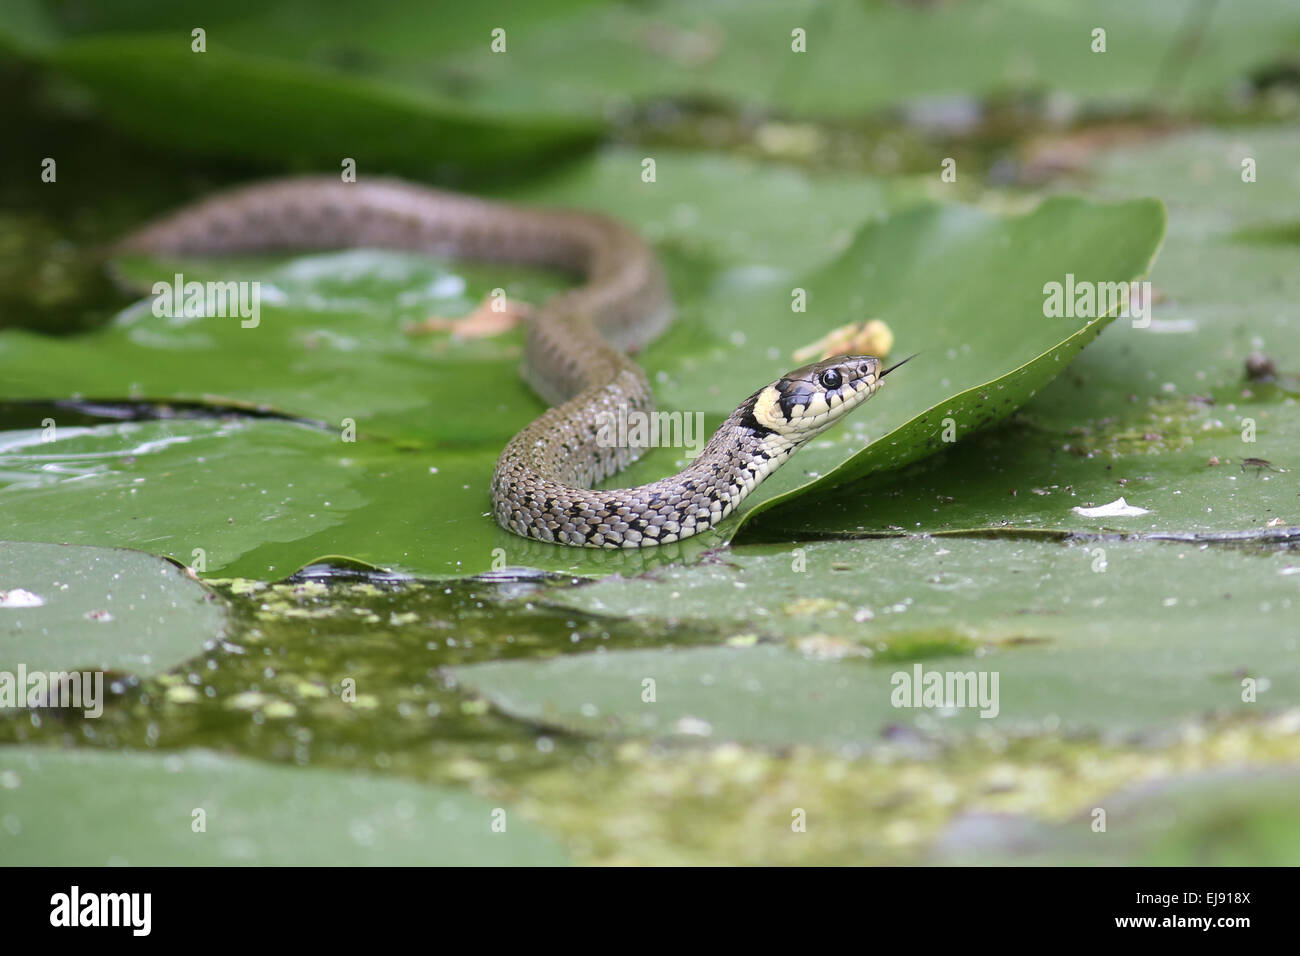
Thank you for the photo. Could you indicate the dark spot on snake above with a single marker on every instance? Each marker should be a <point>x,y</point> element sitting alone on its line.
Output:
<point>794,394</point>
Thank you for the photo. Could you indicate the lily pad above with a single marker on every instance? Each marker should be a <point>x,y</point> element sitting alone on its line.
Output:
<point>968,289</point>
<point>154,86</point>
<point>1163,416</point>
<point>86,808</point>
<point>65,608</point>
<point>1072,645</point>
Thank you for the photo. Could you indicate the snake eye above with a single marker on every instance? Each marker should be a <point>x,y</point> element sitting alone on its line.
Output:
<point>831,378</point>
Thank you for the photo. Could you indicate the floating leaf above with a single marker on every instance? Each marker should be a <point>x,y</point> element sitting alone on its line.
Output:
<point>105,609</point>
<point>196,808</point>
<point>1163,415</point>
<point>1071,642</point>
<point>155,86</point>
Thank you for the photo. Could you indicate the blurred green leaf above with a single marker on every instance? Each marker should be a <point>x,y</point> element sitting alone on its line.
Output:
<point>876,54</point>
<point>86,808</point>
<point>225,103</point>
<point>415,85</point>
<point>25,27</point>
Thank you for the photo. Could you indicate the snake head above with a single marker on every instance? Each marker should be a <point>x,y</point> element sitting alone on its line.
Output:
<point>807,401</point>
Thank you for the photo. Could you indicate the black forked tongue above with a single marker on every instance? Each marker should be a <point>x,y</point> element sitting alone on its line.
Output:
<point>897,364</point>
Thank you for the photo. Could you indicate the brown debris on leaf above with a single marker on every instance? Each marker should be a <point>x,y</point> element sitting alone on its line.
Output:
<point>492,316</point>
<point>1070,153</point>
<point>872,337</point>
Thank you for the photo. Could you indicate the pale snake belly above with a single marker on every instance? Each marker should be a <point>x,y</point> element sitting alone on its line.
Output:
<point>575,354</point>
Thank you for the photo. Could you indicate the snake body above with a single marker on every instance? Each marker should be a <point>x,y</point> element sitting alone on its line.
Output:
<point>575,356</point>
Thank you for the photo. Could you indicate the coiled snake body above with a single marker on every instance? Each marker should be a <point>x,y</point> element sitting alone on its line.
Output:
<point>575,354</point>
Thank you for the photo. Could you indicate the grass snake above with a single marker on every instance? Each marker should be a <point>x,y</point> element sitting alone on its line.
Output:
<point>576,352</point>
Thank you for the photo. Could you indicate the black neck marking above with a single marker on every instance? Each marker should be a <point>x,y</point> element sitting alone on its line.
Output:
<point>745,415</point>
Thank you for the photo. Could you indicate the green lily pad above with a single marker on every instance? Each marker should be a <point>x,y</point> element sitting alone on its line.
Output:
<point>154,85</point>
<point>324,318</point>
<point>1162,416</point>
<point>1075,647</point>
<point>968,290</point>
<point>66,608</point>
<point>700,213</point>
<point>286,496</point>
<point>85,808</point>
<point>1182,463</point>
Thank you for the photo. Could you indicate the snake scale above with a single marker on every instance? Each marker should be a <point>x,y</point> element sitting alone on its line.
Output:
<point>575,356</point>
